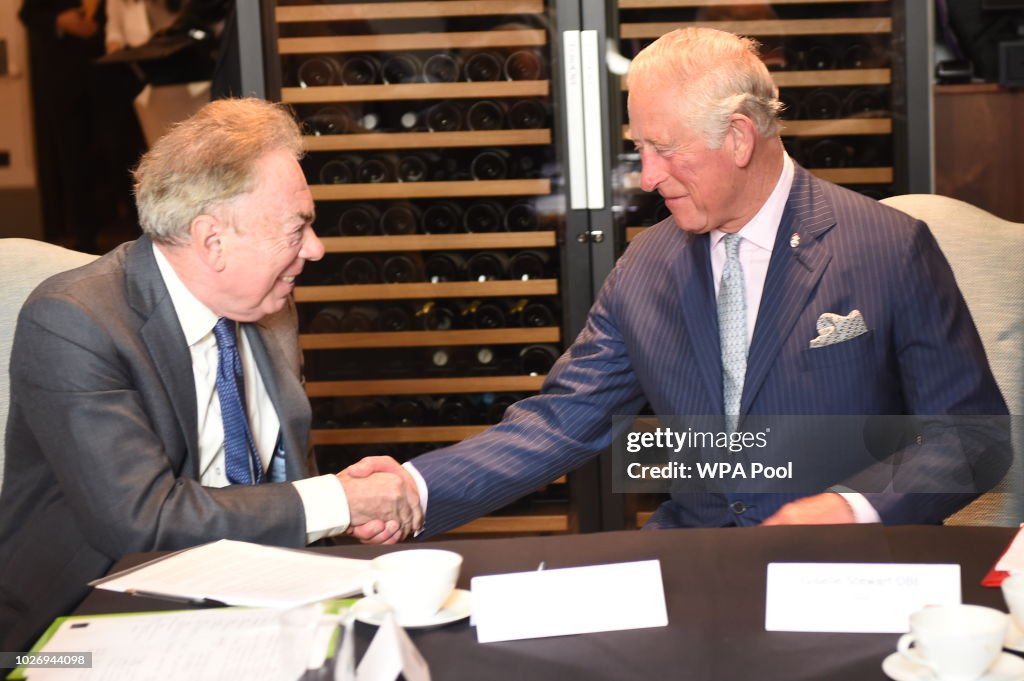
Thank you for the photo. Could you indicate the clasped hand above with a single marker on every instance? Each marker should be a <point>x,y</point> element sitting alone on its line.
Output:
<point>382,499</point>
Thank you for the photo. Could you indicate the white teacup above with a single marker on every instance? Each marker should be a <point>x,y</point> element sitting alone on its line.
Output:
<point>414,583</point>
<point>957,642</point>
<point>1013,594</point>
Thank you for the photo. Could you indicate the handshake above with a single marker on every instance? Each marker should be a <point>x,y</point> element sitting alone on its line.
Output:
<point>383,500</point>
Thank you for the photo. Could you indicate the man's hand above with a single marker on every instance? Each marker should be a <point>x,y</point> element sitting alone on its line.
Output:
<point>821,509</point>
<point>74,22</point>
<point>386,508</point>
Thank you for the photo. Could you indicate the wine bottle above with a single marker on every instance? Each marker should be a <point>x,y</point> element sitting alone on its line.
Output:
<point>484,315</point>
<point>359,269</point>
<point>829,153</point>
<point>440,267</point>
<point>490,164</point>
<point>340,170</point>
<point>359,319</point>
<point>444,117</point>
<point>401,68</point>
<point>528,114</point>
<point>525,65</point>
<point>394,318</point>
<point>360,219</point>
<point>456,410</point>
<point>437,316</point>
<point>791,107</point>
<point>400,218</point>
<point>377,169</point>
<point>821,104</point>
<point>496,409</point>
<point>820,58</point>
<point>360,69</point>
<point>400,269</point>
<point>483,216</point>
<point>537,360</point>
<point>531,314</point>
<point>486,114</point>
<point>487,266</point>
<point>483,66</point>
<point>526,265</point>
<point>359,412</point>
<point>330,120</point>
<point>441,359</point>
<point>318,72</point>
<point>444,217</point>
<point>327,320</point>
<point>441,68</point>
<point>865,103</point>
<point>408,411</point>
<point>414,168</point>
<point>521,217</point>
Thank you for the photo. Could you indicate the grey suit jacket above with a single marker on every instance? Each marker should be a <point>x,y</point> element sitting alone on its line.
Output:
<point>102,447</point>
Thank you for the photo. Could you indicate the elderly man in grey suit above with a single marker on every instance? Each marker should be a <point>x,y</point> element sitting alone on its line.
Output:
<point>767,292</point>
<point>153,390</point>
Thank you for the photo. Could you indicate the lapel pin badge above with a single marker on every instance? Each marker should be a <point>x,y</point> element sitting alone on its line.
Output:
<point>794,240</point>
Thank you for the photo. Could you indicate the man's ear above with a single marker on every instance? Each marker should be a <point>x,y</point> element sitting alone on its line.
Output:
<point>744,139</point>
<point>208,240</point>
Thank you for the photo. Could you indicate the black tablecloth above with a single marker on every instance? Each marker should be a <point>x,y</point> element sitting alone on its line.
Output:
<point>715,590</point>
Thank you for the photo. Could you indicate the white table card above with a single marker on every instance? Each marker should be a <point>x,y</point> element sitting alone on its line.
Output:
<point>569,601</point>
<point>391,653</point>
<point>855,597</point>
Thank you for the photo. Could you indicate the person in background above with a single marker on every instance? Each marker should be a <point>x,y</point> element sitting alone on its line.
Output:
<point>767,291</point>
<point>156,401</point>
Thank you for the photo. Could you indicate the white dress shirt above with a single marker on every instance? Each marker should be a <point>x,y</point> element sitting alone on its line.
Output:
<point>323,497</point>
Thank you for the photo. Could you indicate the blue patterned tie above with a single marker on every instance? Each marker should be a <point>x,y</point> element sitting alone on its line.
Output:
<point>732,330</point>
<point>241,461</point>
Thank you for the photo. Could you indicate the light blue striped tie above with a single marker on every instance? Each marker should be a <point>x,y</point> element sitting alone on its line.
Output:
<point>732,330</point>
<point>241,461</point>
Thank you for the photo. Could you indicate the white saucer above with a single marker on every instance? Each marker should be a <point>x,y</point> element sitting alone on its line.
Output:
<point>1008,667</point>
<point>1014,637</point>
<point>371,610</point>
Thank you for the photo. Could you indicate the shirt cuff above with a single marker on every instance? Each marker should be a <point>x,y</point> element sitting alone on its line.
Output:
<point>325,505</point>
<point>863,511</point>
<point>421,488</point>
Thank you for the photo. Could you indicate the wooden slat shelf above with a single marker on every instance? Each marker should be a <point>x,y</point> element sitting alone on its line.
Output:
<point>854,175</point>
<point>369,436</point>
<point>425,386</point>
<point>426,140</point>
<point>501,524</point>
<point>438,242</point>
<point>632,232</point>
<point>405,10</point>
<point>839,126</point>
<point>412,41</point>
<point>666,4</point>
<point>814,128</point>
<point>403,91</point>
<point>768,27</point>
<point>417,339</point>
<point>429,190</point>
<point>642,517</point>
<point>834,77</point>
<point>425,290</point>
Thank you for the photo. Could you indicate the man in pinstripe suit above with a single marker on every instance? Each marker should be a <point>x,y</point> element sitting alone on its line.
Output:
<point>703,114</point>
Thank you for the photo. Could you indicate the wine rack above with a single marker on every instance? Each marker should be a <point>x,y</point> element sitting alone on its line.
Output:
<point>428,128</point>
<point>834,62</point>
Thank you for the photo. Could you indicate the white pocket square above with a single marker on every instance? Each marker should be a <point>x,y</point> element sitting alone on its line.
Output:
<point>835,328</point>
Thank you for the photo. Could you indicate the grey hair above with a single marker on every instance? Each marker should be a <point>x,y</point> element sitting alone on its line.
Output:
<point>722,75</point>
<point>207,160</point>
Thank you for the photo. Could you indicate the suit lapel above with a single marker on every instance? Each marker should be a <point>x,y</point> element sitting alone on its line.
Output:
<point>793,274</point>
<point>694,282</point>
<point>286,399</point>
<point>161,333</point>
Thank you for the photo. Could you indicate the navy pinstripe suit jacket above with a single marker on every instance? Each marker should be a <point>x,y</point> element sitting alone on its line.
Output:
<point>652,336</point>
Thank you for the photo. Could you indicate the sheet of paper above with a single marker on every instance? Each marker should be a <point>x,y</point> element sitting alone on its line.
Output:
<point>569,601</point>
<point>1013,559</point>
<point>855,597</point>
<point>227,644</point>
<point>240,573</point>
<point>391,653</point>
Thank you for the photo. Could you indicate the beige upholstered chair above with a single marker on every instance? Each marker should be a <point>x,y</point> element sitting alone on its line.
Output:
<point>24,263</point>
<point>987,256</point>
